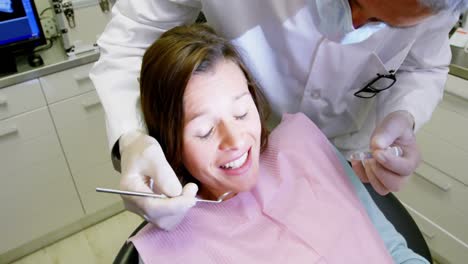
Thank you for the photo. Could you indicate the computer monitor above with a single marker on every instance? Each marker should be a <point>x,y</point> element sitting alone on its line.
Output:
<point>20,31</point>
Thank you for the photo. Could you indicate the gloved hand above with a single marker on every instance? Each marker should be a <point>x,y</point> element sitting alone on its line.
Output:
<point>385,171</point>
<point>142,159</point>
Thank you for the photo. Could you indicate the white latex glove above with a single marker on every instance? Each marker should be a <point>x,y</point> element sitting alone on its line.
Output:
<point>142,159</point>
<point>387,172</point>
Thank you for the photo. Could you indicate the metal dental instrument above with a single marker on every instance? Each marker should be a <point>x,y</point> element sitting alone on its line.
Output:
<point>362,155</point>
<point>160,196</point>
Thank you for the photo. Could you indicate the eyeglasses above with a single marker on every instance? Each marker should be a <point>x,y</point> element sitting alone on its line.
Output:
<point>380,83</point>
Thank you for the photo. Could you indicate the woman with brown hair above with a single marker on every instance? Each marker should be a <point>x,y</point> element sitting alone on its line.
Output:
<point>180,55</point>
<point>292,199</point>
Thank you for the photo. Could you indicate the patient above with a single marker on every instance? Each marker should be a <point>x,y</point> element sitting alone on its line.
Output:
<point>294,198</point>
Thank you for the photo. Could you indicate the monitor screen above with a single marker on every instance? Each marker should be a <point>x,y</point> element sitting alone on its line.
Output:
<point>19,23</point>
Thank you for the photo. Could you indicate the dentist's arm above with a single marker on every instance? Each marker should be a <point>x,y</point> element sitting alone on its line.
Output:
<point>404,108</point>
<point>134,26</point>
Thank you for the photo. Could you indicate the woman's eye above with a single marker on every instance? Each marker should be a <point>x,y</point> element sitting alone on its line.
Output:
<point>205,136</point>
<point>241,116</point>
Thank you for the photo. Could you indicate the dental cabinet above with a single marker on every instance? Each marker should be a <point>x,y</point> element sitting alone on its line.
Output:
<point>79,120</point>
<point>37,193</point>
<point>53,155</point>
<point>53,145</point>
<point>437,195</point>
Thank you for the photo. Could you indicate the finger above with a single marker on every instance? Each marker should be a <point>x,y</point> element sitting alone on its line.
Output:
<point>359,170</point>
<point>403,165</point>
<point>167,213</point>
<point>190,190</point>
<point>384,140</point>
<point>134,183</point>
<point>374,181</point>
<point>171,221</point>
<point>174,205</point>
<point>385,135</point>
<point>393,127</point>
<point>130,206</point>
<point>392,181</point>
<point>165,179</point>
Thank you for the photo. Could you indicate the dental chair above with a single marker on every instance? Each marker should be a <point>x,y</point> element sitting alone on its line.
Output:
<point>128,253</point>
<point>393,210</point>
<point>389,205</point>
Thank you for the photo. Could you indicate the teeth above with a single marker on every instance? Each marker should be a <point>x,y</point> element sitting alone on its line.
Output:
<point>236,163</point>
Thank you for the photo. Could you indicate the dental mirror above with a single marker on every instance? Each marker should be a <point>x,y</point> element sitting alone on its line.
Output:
<point>220,198</point>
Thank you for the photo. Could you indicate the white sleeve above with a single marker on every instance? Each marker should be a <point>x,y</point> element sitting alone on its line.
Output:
<point>134,26</point>
<point>422,76</point>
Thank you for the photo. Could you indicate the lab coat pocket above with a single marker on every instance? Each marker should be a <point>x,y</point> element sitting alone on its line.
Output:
<point>374,67</point>
<point>379,77</point>
<point>362,112</point>
<point>359,109</point>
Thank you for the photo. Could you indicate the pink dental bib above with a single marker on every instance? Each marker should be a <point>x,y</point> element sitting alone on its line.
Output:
<point>302,210</point>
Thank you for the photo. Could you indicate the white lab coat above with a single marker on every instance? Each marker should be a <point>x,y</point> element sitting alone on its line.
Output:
<point>297,67</point>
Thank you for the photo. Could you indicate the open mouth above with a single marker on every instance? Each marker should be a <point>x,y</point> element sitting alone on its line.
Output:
<point>235,164</point>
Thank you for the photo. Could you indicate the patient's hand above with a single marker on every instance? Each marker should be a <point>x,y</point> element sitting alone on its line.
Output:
<point>142,159</point>
<point>387,172</point>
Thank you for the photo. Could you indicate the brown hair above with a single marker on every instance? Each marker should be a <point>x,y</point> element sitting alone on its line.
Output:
<point>166,69</point>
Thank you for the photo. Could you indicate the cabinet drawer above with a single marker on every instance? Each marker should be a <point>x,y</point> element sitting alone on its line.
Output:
<point>20,98</point>
<point>65,84</point>
<point>440,198</point>
<point>446,157</point>
<point>100,175</point>
<point>81,128</point>
<point>37,194</point>
<point>442,120</point>
<point>446,247</point>
<point>23,139</point>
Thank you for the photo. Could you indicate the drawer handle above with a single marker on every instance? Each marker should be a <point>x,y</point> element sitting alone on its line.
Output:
<point>88,103</point>
<point>444,186</point>
<point>429,235</point>
<point>81,77</point>
<point>8,131</point>
<point>3,100</point>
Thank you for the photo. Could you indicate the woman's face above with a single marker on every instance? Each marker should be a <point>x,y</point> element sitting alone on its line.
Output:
<point>222,129</point>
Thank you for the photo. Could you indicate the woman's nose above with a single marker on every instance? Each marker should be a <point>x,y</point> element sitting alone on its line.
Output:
<point>231,136</point>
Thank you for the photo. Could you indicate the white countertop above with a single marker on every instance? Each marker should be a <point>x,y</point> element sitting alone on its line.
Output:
<point>55,60</point>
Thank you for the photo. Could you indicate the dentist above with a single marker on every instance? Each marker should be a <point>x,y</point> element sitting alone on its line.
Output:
<point>369,73</point>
